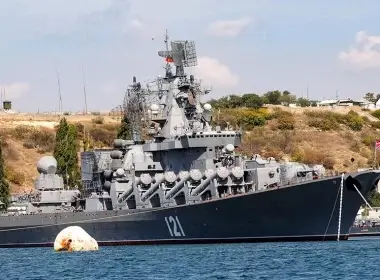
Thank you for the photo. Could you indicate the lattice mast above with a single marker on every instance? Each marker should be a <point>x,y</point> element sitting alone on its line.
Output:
<point>135,109</point>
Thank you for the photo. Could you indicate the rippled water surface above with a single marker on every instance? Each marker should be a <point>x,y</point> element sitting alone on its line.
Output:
<point>355,259</point>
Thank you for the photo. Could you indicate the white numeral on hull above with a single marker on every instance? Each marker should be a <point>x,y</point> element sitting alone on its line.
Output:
<point>174,226</point>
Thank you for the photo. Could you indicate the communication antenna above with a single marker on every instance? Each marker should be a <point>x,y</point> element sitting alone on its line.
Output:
<point>59,92</point>
<point>84,91</point>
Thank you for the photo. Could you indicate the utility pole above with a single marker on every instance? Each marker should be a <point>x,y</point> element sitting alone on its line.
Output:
<point>59,93</point>
<point>84,91</point>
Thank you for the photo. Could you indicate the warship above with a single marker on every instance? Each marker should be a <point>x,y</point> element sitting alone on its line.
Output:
<point>184,181</point>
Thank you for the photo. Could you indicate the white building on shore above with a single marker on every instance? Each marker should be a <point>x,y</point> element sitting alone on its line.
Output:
<point>349,102</point>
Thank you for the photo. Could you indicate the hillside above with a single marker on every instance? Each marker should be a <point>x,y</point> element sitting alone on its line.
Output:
<point>26,138</point>
<point>312,135</point>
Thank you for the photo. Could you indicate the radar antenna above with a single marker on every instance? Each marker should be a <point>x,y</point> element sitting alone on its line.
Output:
<point>182,54</point>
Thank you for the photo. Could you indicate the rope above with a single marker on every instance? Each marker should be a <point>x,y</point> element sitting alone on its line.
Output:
<point>332,213</point>
<point>366,202</point>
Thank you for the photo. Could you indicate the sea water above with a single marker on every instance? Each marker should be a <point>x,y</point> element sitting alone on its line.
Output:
<point>354,259</point>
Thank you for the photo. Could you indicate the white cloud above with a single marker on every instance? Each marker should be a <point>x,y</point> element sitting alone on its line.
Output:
<point>135,23</point>
<point>15,90</point>
<point>43,17</point>
<point>214,72</point>
<point>229,28</point>
<point>362,55</point>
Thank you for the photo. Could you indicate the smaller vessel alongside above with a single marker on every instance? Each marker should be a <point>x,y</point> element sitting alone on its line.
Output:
<point>368,229</point>
<point>366,225</point>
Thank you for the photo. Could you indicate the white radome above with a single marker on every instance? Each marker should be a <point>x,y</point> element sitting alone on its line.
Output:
<point>230,148</point>
<point>120,172</point>
<point>154,107</point>
<point>207,107</point>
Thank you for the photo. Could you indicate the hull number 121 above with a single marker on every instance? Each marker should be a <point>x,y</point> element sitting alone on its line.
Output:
<point>174,226</point>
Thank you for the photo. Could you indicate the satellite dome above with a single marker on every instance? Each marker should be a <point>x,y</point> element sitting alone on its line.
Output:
<point>229,148</point>
<point>207,107</point>
<point>47,165</point>
<point>154,107</point>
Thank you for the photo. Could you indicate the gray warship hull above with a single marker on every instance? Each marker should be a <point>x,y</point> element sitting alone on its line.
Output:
<point>308,211</point>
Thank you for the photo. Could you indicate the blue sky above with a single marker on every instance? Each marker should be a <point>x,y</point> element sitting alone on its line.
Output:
<point>243,46</point>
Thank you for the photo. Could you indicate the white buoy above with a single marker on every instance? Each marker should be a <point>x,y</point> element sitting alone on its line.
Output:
<point>73,239</point>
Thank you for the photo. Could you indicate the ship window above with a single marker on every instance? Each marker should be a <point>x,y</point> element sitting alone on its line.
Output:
<point>210,150</point>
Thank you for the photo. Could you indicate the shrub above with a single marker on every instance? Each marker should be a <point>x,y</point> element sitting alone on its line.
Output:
<point>285,120</point>
<point>14,176</point>
<point>324,124</point>
<point>355,146</point>
<point>311,156</point>
<point>369,140</point>
<point>330,120</point>
<point>354,121</point>
<point>376,114</point>
<point>34,137</point>
<point>250,121</point>
<point>102,135</point>
<point>28,144</point>
<point>244,117</point>
<point>375,124</point>
<point>98,120</point>
<point>9,150</point>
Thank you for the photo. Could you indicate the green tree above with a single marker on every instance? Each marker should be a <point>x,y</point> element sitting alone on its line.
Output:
<point>125,129</point>
<point>235,101</point>
<point>303,102</point>
<point>370,96</point>
<point>4,185</point>
<point>287,98</point>
<point>313,103</point>
<point>374,198</point>
<point>251,100</point>
<point>65,152</point>
<point>273,97</point>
